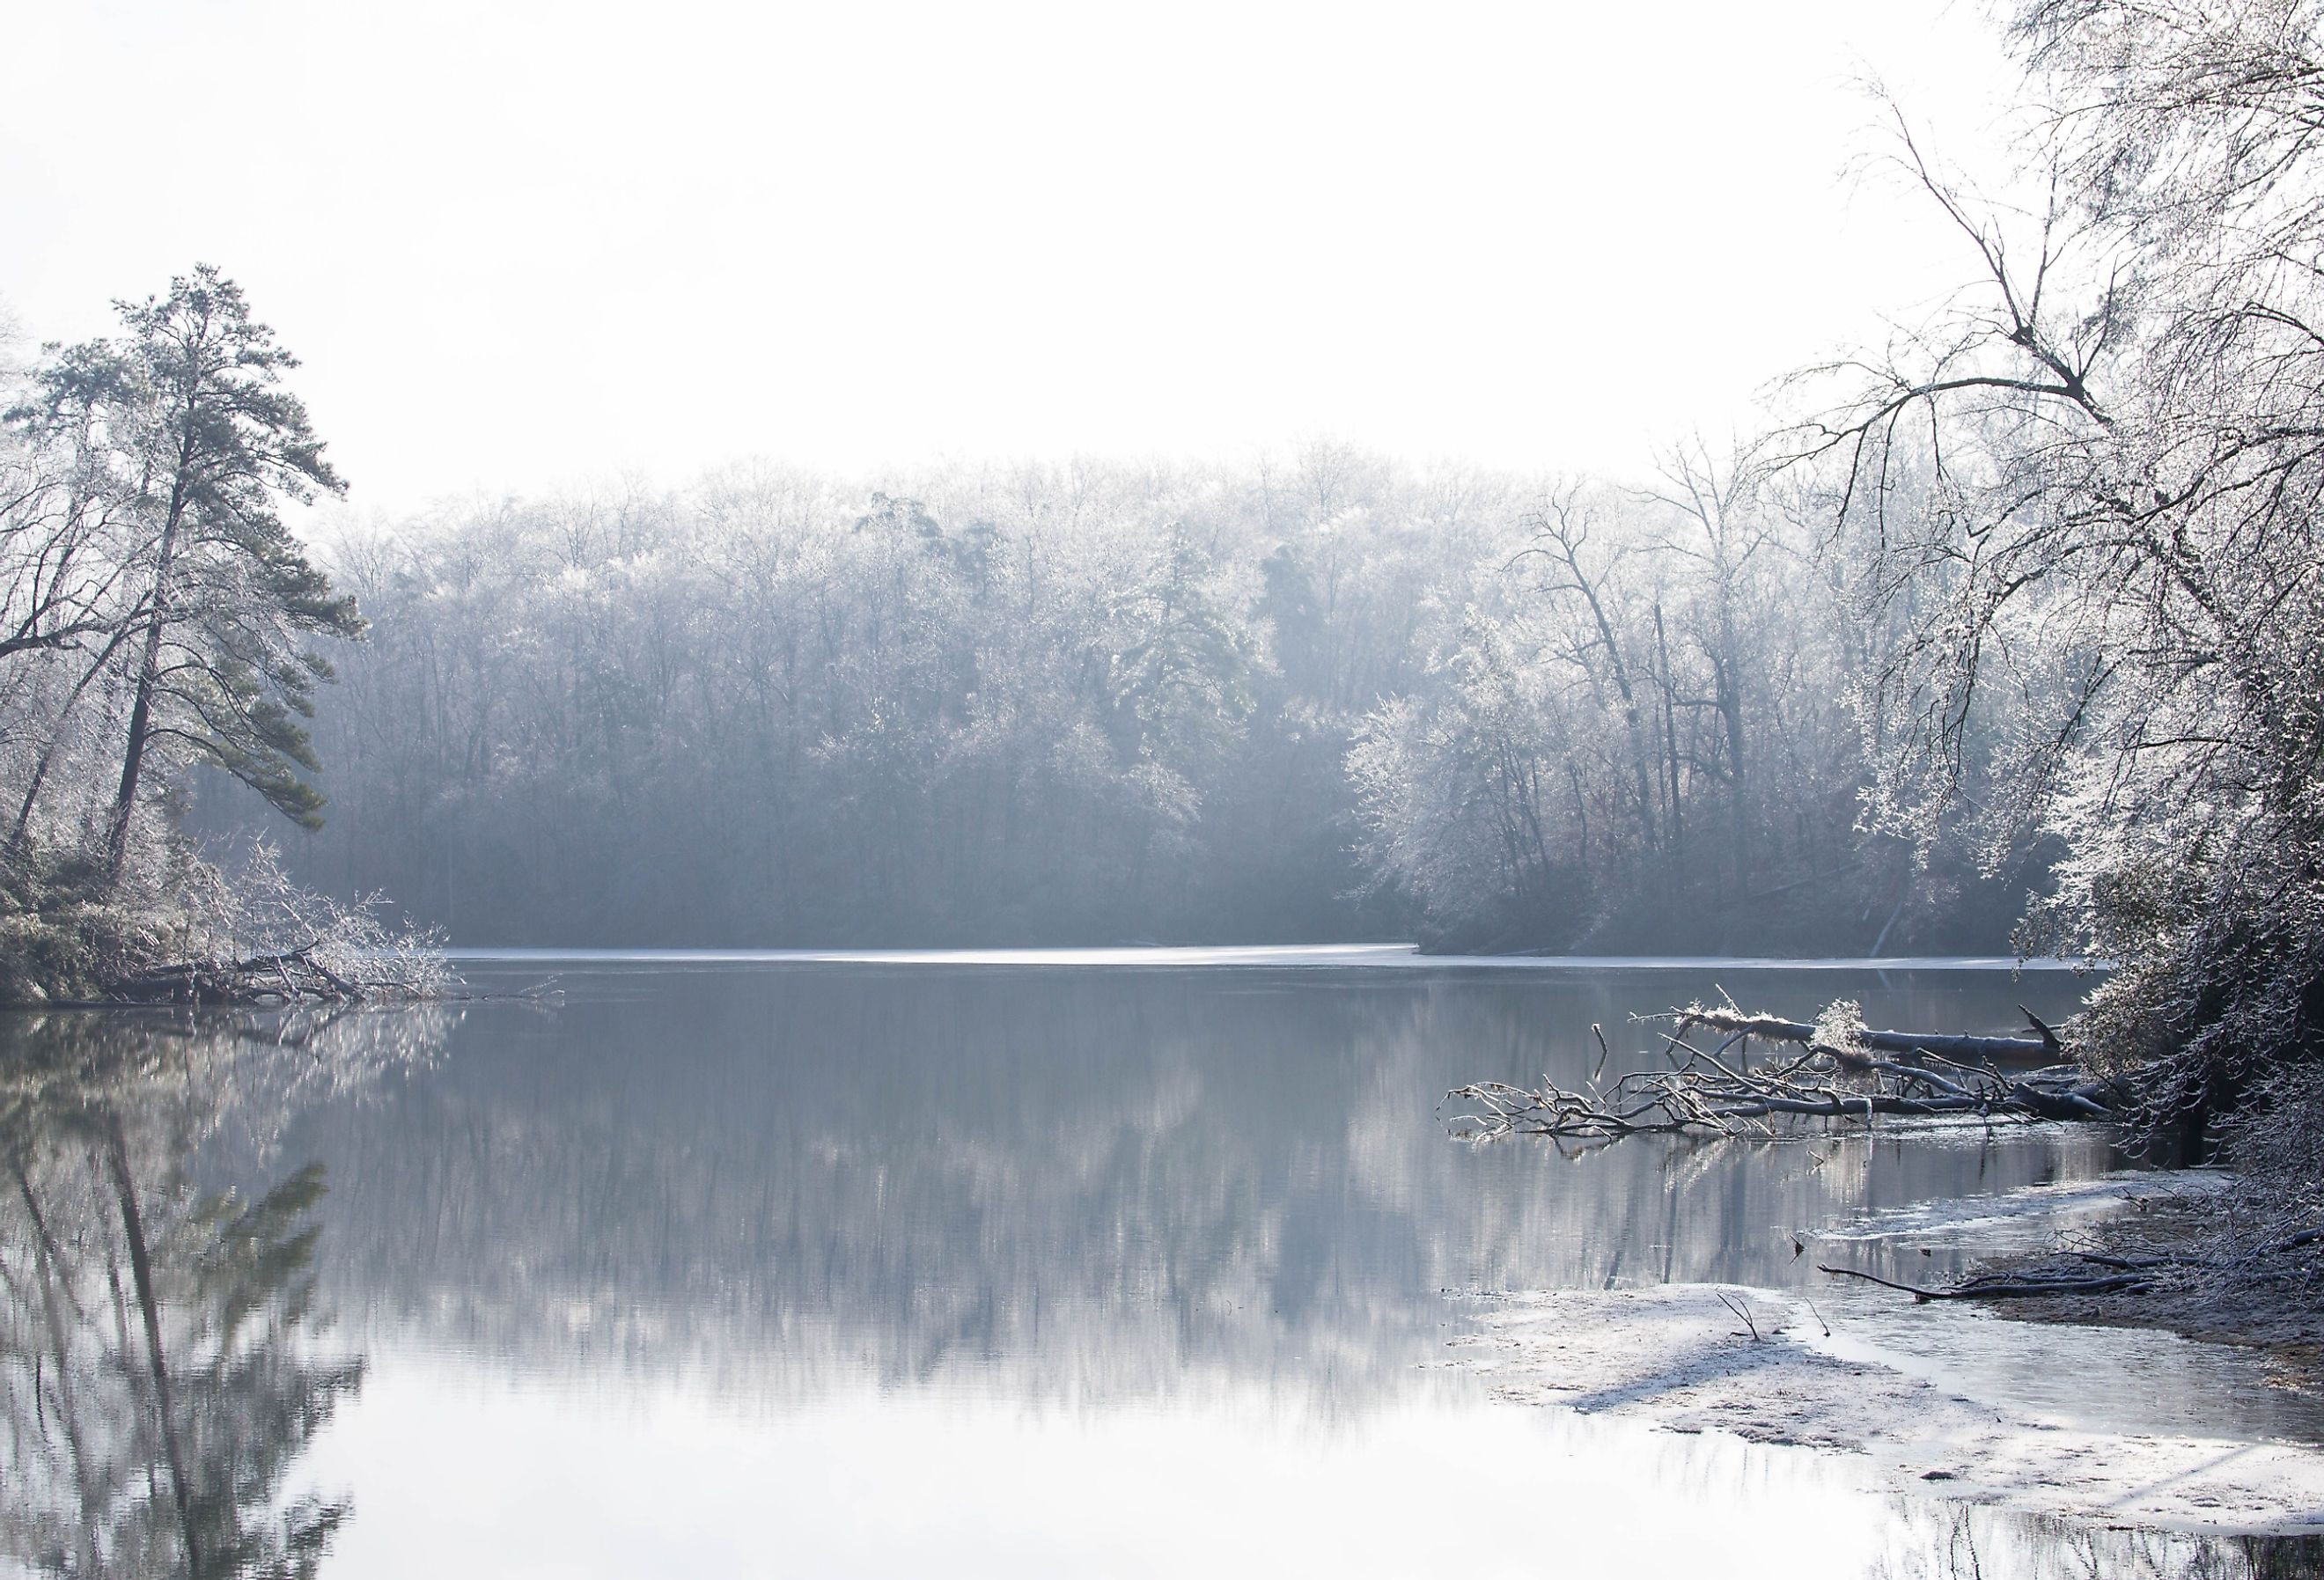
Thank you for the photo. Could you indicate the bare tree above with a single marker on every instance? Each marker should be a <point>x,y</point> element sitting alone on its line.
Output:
<point>2113,542</point>
<point>1561,528</point>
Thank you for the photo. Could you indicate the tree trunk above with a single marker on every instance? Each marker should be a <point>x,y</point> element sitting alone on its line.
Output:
<point>1639,753</point>
<point>1738,806</point>
<point>1670,743</point>
<point>148,672</point>
<point>56,740</point>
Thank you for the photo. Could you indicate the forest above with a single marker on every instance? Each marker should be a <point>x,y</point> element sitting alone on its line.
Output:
<point>1323,698</point>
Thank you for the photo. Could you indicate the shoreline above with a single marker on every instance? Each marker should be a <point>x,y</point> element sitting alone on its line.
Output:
<point>2268,1318</point>
<point>2161,1221</point>
<point>1765,1366</point>
<point>1939,1398</point>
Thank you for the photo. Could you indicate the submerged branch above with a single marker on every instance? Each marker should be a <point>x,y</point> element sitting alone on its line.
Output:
<point>1996,1287</point>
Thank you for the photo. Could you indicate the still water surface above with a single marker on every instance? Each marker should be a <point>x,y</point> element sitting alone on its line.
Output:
<point>900,1265</point>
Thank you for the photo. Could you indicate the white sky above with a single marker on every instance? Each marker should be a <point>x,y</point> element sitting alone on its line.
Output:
<point>520,248</point>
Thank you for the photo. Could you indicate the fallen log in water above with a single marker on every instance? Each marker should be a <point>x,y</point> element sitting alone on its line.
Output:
<point>285,976</point>
<point>1705,1092</point>
<point>1944,1045</point>
<point>288,977</point>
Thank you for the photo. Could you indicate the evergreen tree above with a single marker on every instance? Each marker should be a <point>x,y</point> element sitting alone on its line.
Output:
<point>197,441</point>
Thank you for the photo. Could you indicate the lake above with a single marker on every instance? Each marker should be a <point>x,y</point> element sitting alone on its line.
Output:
<point>1117,1262</point>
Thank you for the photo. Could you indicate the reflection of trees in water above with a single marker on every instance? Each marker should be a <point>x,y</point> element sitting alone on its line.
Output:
<point>1080,1184</point>
<point>1958,1541</point>
<point>159,1370</point>
<point>1104,1187</point>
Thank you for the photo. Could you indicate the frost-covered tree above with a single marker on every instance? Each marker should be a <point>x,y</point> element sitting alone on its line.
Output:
<point>157,613</point>
<point>1632,733</point>
<point>177,440</point>
<point>1475,796</point>
<point>2110,568</point>
<point>1325,697</point>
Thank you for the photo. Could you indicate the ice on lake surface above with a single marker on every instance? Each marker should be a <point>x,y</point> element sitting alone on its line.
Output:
<point>886,1263</point>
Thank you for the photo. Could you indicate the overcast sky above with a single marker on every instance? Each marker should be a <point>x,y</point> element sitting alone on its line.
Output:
<point>524,247</point>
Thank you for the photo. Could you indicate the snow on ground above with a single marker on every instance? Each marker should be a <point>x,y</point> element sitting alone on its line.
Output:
<point>1686,1358</point>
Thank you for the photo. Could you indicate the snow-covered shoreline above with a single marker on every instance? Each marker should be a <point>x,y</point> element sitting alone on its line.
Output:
<point>1762,1365</point>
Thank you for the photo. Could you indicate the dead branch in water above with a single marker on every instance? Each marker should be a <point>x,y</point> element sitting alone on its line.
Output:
<point>2002,1287</point>
<point>2067,1271</point>
<point>1837,1074</point>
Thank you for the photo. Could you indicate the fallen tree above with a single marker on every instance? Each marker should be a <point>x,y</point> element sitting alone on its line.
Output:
<point>1948,1045</point>
<point>1832,1069</point>
<point>250,939</point>
<point>2125,1274</point>
<point>285,976</point>
<point>2244,1263</point>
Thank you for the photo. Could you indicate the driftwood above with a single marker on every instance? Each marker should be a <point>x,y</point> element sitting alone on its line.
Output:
<point>2043,1045</point>
<point>1717,1091</point>
<point>2009,1285</point>
<point>2090,1272</point>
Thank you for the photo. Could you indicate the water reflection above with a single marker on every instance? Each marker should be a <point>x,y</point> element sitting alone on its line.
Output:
<point>1051,1185</point>
<point>1008,1270</point>
<point>1956,1541</point>
<point>162,1373</point>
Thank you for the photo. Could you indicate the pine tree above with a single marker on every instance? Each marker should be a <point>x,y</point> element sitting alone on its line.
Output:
<point>200,443</point>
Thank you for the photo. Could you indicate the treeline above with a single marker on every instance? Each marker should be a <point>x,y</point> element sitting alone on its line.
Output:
<point>1326,699</point>
<point>1315,698</point>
